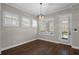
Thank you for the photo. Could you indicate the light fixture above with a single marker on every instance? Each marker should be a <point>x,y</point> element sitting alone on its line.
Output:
<point>42,16</point>
<point>40,3</point>
<point>39,17</point>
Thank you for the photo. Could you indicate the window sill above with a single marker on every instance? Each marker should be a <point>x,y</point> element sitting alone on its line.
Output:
<point>46,34</point>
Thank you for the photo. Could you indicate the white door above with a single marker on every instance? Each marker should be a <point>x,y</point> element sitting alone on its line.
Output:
<point>65,27</point>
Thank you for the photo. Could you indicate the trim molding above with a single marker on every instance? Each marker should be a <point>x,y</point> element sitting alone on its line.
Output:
<point>16,45</point>
<point>53,41</point>
<point>0,51</point>
<point>75,47</point>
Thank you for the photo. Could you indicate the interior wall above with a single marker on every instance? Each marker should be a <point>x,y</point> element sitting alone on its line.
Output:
<point>55,36</point>
<point>0,28</point>
<point>13,36</point>
<point>16,35</point>
<point>74,10</point>
<point>75,24</point>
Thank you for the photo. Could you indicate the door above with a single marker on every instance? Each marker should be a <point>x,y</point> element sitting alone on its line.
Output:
<point>65,28</point>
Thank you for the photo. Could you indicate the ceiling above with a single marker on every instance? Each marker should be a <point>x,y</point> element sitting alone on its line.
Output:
<point>34,8</point>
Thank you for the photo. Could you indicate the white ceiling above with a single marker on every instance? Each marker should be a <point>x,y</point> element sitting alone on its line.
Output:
<point>34,8</point>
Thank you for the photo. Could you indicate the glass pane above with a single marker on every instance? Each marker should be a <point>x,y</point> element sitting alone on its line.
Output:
<point>64,35</point>
<point>51,27</point>
<point>26,22</point>
<point>42,27</point>
<point>7,21</point>
<point>34,23</point>
<point>10,19</point>
<point>46,26</point>
<point>14,21</point>
<point>65,29</point>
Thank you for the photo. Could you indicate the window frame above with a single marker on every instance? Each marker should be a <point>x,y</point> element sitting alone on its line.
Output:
<point>47,27</point>
<point>22,21</point>
<point>9,23</point>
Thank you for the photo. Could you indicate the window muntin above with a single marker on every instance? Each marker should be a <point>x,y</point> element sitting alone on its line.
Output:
<point>46,26</point>
<point>10,19</point>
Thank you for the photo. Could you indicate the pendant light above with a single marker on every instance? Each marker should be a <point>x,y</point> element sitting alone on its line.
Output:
<point>41,16</point>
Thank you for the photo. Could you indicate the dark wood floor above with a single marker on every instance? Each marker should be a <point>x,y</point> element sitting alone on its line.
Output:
<point>40,47</point>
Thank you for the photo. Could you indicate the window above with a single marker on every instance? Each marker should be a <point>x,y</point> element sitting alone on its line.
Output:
<point>10,19</point>
<point>46,26</point>
<point>42,26</point>
<point>26,22</point>
<point>51,27</point>
<point>64,27</point>
<point>34,23</point>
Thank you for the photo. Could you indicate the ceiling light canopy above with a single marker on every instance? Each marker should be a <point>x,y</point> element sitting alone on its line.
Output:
<point>40,3</point>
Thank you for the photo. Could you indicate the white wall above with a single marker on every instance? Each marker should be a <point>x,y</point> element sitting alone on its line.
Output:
<point>75,24</point>
<point>55,37</point>
<point>12,36</point>
<point>0,28</point>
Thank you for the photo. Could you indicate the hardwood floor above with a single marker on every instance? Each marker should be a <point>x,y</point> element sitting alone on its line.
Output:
<point>40,47</point>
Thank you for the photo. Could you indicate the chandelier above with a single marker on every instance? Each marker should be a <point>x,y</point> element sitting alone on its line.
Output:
<point>42,10</point>
<point>41,17</point>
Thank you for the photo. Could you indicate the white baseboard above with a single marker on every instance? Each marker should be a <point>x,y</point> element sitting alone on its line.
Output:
<point>75,47</point>
<point>0,52</point>
<point>16,45</point>
<point>36,39</point>
<point>53,41</point>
